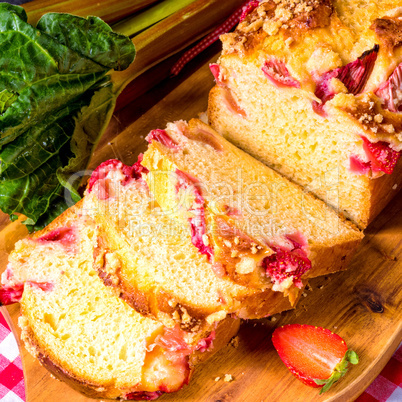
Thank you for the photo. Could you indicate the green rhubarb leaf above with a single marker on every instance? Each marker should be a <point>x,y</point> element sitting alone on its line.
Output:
<point>59,205</point>
<point>54,87</point>
<point>7,98</point>
<point>90,37</point>
<point>46,74</point>
<point>39,100</point>
<point>88,125</point>
<point>30,195</point>
<point>39,143</point>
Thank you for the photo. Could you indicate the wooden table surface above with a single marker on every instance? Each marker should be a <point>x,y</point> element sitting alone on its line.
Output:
<point>363,304</point>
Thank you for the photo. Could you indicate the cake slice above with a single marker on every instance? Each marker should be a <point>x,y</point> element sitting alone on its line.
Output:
<point>87,336</point>
<point>151,262</point>
<point>313,89</point>
<point>254,226</point>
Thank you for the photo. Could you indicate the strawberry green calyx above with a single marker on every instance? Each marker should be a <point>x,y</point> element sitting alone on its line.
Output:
<point>339,371</point>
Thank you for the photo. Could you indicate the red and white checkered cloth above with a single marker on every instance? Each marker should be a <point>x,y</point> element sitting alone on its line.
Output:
<point>12,387</point>
<point>387,387</point>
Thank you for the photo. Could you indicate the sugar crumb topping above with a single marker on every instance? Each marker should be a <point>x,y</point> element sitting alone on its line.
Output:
<point>379,124</point>
<point>186,318</point>
<point>254,249</point>
<point>389,128</point>
<point>275,14</point>
<point>271,16</point>
<point>228,378</point>
<point>378,118</point>
<point>246,266</point>
<point>216,317</point>
<point>235,342</point>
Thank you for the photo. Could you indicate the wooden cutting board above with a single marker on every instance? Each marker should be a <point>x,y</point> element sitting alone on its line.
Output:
<point>363,304</point>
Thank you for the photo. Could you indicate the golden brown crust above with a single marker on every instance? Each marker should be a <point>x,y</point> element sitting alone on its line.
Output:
<point>313,14</point>
<point>382,190</point>
<point>332,258</point>
<point>89,389</point>
<point>190,318</point>
<point>266,303</point>
<point>389,31</point>
<point>225,331</point>
<point>123,288</point>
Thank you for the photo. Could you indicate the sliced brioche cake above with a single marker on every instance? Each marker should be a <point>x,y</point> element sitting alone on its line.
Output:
<point>313,89</point>
<point>151,262</point>
<point>254,226</point>
<point>84,334</point>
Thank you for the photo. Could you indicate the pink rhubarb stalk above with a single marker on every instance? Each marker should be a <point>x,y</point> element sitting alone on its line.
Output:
<point>66,236</point>
<point>10,295</point>
<point>357,166</point>
<point>277,72</point>
<point>163,137</point>
<point>390,91</point>
<point>197,210</point>
<point>130,173</point>
<point>354,76</point>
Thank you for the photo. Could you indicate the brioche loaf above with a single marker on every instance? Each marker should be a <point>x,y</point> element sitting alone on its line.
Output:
<point>255,227</point>
<point>85,335</point>
<point>313,88</point>
<point>150,261</point>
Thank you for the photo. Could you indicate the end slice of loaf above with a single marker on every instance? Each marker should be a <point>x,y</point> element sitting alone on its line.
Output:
<point>255,227</point>
<point>150,261</point>
<point>84,334</point>
<point>318,102</point>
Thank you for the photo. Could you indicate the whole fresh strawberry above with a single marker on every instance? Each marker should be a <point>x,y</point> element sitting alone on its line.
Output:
<point>315,355</point>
